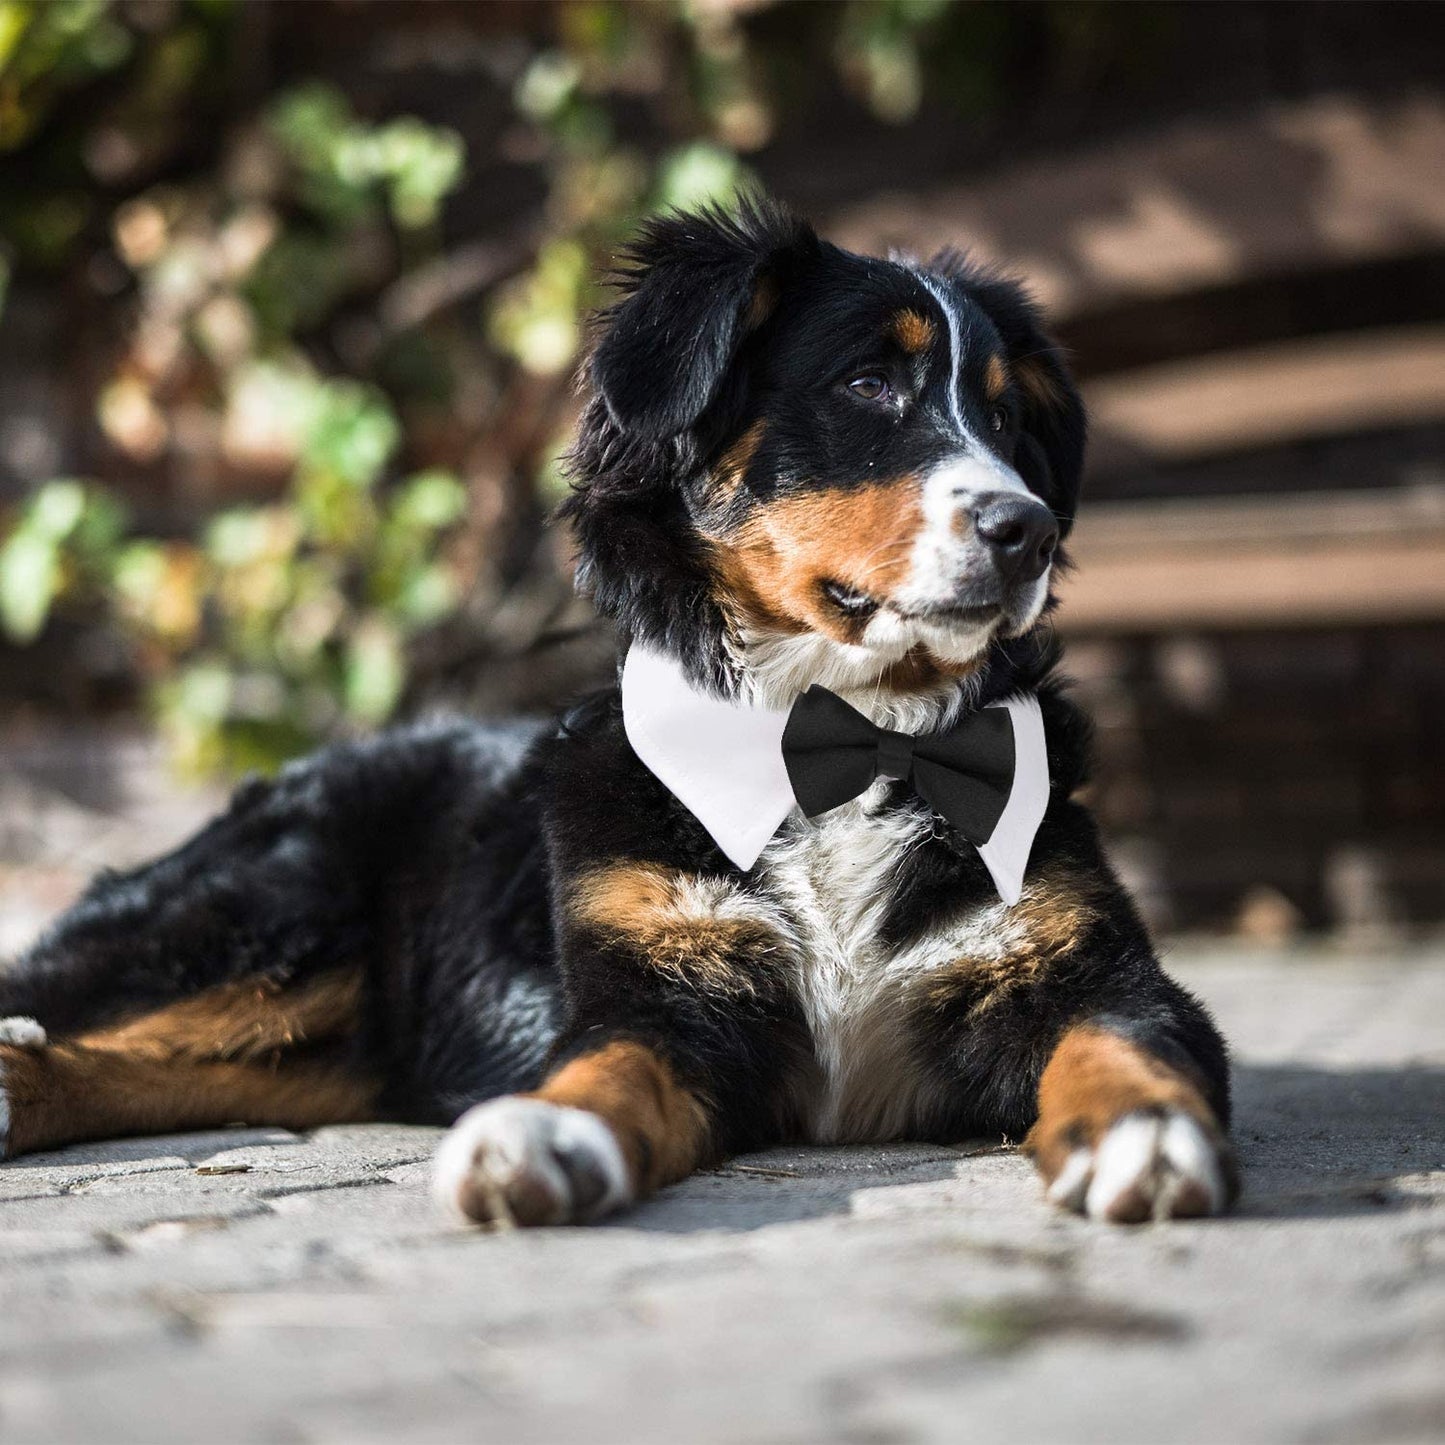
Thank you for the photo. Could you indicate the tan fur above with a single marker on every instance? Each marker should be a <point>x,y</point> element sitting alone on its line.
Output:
<point>662,1128</point>
<point>243,1021</point>
<point>1094,1079</point>
<point>765,297</point>
<point>230,1055</point>
<point>913,331</point>
<point>919,671</point>
<point>733,465</point>
<point>685,925</point>
<point>65,1094</point>
<point>773,568</point>
<point>1049,923</point>
<point>995,378</point>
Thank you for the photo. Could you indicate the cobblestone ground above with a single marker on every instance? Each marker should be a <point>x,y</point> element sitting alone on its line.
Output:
<point>259,1285</point>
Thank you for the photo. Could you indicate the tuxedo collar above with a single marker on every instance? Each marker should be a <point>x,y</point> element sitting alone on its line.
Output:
<point>723,761</point>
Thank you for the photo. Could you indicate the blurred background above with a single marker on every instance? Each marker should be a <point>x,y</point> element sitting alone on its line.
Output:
<point>292,295</point>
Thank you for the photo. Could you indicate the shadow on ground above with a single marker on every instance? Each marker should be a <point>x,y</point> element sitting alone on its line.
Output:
<point>1317,1141</point>
<point>1314,1142</point>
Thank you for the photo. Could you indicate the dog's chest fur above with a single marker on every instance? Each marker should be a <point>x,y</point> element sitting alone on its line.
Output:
<point>831,884</point>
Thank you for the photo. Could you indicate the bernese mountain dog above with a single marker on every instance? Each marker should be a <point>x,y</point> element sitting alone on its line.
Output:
<point>812,871</point>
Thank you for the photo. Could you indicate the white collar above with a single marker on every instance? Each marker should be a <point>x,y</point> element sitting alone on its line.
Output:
<point>723,761</point>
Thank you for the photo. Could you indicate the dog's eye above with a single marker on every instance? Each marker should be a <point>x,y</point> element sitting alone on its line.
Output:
<point>869,387</point>
<point>998,419</point>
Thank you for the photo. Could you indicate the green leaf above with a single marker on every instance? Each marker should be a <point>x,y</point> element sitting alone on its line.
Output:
<point>547,84</point>
<point>352,434</point>
<point>696,174</point>
<point>55,510</point>
<point>375,672</point>
<point>427,596</point>
<point>202,694</point>
<point>424,163</point>
<point>238,537</point>
<point>429,502</point>
<point>29,580</point>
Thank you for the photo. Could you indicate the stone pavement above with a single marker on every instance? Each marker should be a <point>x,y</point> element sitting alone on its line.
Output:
<point>255,1285</point>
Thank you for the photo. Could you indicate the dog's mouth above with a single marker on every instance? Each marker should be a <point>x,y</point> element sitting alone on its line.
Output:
<point>955,614</point>
<point>852,603</point>
<point>857,605</point>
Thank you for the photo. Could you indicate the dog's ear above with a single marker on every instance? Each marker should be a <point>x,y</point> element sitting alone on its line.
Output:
<point>1050,455</point>
<point>694,286</point>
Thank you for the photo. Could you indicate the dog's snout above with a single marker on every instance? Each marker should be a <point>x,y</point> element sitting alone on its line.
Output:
<point>1022,532</point>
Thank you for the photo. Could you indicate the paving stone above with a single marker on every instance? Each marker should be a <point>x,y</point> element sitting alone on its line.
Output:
<point>260,1285</point>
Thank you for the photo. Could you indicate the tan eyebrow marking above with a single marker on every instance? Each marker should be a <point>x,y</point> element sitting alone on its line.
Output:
<point>913,331</point>
<point>995,377</point>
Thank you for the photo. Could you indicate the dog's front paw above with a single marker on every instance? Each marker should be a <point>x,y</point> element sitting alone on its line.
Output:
<point>1152,1164</point>
<point>524,1161</point>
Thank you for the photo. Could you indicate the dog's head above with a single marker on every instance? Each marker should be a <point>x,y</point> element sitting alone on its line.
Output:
<point>801,465</point>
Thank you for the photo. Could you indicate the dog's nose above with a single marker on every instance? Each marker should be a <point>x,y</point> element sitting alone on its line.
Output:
<point>1021,531</point>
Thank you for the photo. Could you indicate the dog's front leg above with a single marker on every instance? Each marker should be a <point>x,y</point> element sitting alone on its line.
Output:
<point>1125,1134</point>
<point>606,1128</point>
<point>677,1050</point>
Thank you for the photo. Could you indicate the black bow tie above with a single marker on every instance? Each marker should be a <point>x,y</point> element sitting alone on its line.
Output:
<point>965,772</point>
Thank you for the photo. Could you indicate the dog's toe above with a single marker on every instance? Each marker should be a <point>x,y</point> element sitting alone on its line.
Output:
<point>525,1161</point>
<point>22,1033</point>
<point>1148,1165</point>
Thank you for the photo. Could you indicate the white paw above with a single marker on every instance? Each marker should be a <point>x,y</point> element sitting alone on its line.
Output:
<point>524,1161</point>
<point>1147,1166</point>
<point>22,1033</point>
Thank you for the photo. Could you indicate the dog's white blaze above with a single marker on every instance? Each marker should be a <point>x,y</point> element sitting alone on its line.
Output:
<point>955,353</point>
<point>939,553</point>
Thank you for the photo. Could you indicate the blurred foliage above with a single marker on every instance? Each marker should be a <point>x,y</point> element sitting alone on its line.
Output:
<point>324,423</point>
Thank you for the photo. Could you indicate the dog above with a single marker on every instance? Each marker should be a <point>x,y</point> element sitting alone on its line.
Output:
<point>824,497</point>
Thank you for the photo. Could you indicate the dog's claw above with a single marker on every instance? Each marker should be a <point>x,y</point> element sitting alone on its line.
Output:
<point>1148,1166</point>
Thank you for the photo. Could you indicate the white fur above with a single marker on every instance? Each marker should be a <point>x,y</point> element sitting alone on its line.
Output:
<point>507,1139</point>
<point>1072,1184</point>
<point>18,1032</point>
<point>1147,1156</point>
<point>942,550</point>
<point>834,879</point>
<point>956,347</point>
<point>775,669</point>
<point>698,898</point>
<point>22,1033</point>
<point>1192,1155</point>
